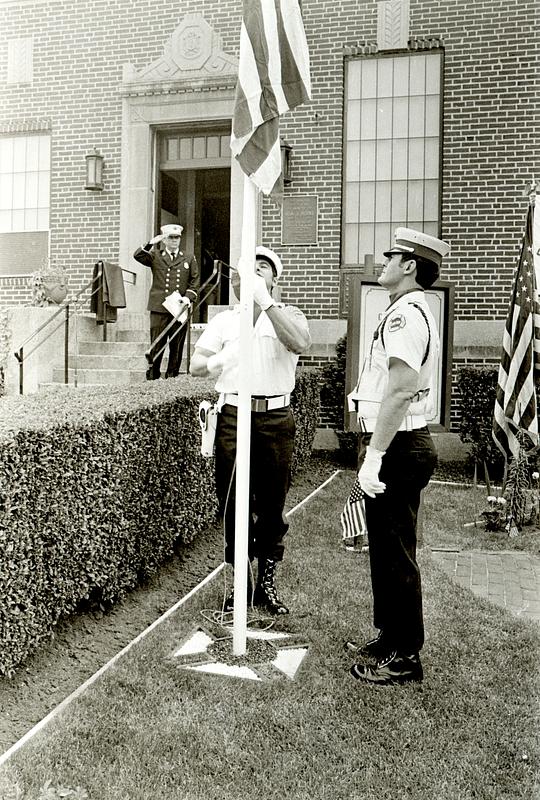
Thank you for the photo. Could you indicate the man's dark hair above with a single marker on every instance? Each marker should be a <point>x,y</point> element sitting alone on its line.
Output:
<point>427,272</point>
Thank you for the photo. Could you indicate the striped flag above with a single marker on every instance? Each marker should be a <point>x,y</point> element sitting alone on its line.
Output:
<point>515,404</point>
<point>353,516</point>
<point>273,77</point>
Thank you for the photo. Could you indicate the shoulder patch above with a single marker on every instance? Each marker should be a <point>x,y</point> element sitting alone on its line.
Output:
<point>396,322</point>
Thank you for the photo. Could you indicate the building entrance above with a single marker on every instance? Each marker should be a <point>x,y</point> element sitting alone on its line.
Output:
<point>194,190</point>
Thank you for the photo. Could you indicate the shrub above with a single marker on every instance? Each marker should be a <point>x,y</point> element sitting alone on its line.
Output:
<point>333,402</point>
<point>477,387</point>
<point>97,489</point>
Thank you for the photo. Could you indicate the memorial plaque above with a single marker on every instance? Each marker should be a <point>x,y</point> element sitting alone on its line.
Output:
<point>299,219</point>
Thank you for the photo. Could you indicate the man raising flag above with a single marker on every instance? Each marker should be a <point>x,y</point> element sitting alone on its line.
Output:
<point>273,77</point>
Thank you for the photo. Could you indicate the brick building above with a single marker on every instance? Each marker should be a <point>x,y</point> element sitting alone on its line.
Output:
<point>423,113</point>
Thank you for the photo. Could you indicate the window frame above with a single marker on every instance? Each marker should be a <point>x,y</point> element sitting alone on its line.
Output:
<point>400,53</point>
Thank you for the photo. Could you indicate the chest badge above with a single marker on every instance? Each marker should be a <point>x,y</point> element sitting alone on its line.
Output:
<point>186,265</point>
<point>396,323</point>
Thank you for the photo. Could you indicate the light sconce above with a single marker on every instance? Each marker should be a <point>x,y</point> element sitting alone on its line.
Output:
<point>94,171</point>
<point>286,151</point>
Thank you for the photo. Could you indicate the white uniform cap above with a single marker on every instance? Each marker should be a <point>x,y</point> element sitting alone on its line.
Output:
<point>172,230</point>
<point>269,255</point>
<point>409,241</point>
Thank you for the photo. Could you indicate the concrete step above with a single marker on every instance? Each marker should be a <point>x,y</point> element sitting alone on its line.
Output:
<point>102,377</point>
<point>109,362</point>
<point>113,348</point>
<point>133,335</point>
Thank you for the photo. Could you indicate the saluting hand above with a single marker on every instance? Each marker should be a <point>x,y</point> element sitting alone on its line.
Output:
<point>158,238</point>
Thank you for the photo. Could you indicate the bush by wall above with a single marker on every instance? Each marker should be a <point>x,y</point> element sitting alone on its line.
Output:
<point>477,388</point>
<point>97,488</point>
<point>333,400</point>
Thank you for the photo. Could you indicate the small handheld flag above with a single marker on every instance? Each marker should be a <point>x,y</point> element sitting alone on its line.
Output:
<point>353,516</point>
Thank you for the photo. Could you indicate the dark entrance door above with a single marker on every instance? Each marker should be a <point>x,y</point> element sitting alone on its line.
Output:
<point>194,190</point>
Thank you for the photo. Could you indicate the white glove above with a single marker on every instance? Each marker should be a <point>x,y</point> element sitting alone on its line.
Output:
<point>261,295</point>
<point>227,357</point>
<point>156,239</point>
<point>186,301</point>
<point>368,474</point>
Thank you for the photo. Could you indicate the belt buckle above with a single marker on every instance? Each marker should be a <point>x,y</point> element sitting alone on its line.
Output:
<point>259,404</point>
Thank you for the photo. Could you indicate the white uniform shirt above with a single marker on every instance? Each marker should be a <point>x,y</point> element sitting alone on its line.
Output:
<point>274,366</point>
<point>402,333</point>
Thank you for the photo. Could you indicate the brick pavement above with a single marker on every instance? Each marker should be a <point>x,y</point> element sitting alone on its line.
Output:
<point>508,578</point>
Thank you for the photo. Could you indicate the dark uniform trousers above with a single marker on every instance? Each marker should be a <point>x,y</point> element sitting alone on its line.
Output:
<point>158,323</point>
<point>391,522</point>
<point>272,442</point>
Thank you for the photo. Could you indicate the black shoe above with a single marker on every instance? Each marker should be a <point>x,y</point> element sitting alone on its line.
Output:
<point>374,649</point>
<point>396,668</point>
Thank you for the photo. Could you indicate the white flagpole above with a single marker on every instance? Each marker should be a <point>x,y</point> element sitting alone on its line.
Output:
<point>243,430</point>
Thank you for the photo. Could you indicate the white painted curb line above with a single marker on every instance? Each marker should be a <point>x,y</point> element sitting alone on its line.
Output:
<point>93,678</point>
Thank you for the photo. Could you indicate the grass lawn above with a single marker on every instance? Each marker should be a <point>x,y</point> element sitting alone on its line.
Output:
<point>150,730</point>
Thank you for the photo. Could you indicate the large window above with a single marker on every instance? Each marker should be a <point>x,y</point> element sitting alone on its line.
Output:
<point>392,150</point>
<point>24,183</point>
<point>25,172</point>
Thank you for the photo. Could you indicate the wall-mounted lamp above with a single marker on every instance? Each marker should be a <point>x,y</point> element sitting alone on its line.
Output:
<point>94,171</point>
<point>286,151</point>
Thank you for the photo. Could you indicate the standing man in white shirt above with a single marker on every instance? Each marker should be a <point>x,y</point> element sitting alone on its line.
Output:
<point>392,399</point>
<point>280,335</point>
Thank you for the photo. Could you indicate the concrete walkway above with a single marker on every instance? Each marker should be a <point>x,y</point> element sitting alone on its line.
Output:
<point>508,578</point>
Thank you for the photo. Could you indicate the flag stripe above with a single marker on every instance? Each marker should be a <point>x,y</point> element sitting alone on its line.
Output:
<point>273,78</point>
<point>515,413</point>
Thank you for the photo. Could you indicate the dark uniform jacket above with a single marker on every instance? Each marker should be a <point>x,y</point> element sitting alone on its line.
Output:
<point>180,274</point>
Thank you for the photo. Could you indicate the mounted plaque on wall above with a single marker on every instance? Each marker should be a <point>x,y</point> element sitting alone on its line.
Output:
<point>299,216</point>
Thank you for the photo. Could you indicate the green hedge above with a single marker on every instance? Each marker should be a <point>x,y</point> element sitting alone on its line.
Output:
<point>477,389</point>
<point>333,378</point>
<point>97,488</point>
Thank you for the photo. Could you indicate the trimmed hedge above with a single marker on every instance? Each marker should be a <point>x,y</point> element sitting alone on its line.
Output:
<point>477,389</point>
<point>97,488</point>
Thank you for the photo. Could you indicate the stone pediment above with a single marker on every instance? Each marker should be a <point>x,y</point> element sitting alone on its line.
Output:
<point>193,56</point>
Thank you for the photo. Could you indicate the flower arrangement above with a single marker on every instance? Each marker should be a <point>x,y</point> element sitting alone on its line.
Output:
<point>495,514</point>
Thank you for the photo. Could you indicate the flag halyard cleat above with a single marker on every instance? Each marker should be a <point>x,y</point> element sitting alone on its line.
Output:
<point>395,669</point>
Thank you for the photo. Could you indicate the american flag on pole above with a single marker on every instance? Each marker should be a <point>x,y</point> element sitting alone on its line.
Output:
<point>353,516</point>
<point>273,77</point>
<point>515,403</point>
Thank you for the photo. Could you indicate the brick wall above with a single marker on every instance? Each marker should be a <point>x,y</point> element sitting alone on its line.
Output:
<point>491,121</point>
<point>491,130</point>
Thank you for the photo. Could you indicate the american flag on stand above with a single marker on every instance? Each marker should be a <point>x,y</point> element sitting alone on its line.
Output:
<point>353,516</point>
<point>273,77</point>
<point>515,403</point>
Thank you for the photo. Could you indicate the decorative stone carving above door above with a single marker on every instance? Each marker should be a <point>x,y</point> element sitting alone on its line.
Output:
<point>193,55</point>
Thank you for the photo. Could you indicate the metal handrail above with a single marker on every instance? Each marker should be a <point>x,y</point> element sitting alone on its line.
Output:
<point>21,356</point>
<point>217,271</point>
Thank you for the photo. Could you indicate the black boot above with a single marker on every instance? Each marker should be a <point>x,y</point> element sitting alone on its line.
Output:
<point>228,605</point>
<point>265,590</point>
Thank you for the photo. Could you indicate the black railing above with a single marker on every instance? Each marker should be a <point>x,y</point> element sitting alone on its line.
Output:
<point>64,308</point>
<point>205,290</point>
